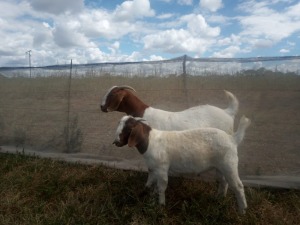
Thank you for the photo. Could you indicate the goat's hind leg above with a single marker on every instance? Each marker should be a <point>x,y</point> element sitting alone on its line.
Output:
<point>237,186</point>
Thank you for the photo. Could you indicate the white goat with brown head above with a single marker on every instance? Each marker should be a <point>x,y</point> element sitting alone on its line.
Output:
<point>189,151</point>
<point>122,99</point>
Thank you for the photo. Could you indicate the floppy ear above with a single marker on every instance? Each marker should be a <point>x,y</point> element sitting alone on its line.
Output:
<point>114,105</point>
<point>136,135</point>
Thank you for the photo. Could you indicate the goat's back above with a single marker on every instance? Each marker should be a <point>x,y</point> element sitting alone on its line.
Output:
<point>195,117</point>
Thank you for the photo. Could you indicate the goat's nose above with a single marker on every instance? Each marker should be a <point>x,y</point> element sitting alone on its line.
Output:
<point>116,142</point>
<point>103,109</point>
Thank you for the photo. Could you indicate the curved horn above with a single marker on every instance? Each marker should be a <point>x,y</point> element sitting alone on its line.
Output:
<point>127,87</point>
<point>139,119</point>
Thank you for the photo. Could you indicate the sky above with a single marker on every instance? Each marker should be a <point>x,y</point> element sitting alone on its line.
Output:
<point>94,31</point>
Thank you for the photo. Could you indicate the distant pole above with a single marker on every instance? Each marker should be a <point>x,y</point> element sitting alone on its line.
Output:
<point>29,61</point>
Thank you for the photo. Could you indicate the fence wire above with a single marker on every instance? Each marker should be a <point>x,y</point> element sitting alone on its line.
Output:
<point>57,109</point>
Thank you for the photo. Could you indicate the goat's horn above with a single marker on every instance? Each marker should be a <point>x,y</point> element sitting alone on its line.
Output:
<point>139,119</point>
<point>127,87</point>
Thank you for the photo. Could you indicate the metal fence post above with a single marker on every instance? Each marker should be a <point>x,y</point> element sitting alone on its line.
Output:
<point>68,110</point>
<point>184,79</point>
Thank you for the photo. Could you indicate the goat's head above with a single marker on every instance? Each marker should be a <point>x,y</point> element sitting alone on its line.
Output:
<point>132,132</point>
<point>114,97</point>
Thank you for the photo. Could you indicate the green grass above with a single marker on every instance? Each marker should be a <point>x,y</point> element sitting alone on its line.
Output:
<point>43,191</point>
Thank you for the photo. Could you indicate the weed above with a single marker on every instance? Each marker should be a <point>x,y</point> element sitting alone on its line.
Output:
<point>20,137</point>
<point>2,127</point>
<point>72,136</point>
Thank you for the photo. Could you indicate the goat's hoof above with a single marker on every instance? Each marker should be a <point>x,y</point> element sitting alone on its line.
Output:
<point>242,211</point>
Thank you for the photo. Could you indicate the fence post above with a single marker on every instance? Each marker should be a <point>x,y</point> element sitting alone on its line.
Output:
<point>184,79</point>
<point>68,110</point>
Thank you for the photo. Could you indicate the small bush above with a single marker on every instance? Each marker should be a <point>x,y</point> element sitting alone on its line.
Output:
<point>1,129</point>
<point>72,137</point>
<point>20,137</point>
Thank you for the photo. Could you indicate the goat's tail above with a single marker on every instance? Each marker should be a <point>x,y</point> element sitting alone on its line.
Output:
<point>233,106</point>
<point>238,136</point>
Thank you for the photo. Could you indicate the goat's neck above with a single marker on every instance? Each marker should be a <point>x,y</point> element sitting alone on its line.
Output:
<point>142,146</point>
<point>133,106</point>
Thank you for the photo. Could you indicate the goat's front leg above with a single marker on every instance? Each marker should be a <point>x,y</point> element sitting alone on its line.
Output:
<point>151,178</point>
<point>162,183</point>
<point>150,181</point>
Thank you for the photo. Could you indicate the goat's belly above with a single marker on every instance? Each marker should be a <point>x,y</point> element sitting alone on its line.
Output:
<point>189,167</point>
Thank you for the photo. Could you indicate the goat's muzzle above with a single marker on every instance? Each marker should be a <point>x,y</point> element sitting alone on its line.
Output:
<point>103,108</point>
<point>117,143</point>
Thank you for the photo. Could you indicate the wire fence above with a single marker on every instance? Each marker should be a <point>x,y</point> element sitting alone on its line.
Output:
<point>56,110</point>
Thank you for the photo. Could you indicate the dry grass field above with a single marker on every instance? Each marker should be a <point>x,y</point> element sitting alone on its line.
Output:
<point>34,113</point>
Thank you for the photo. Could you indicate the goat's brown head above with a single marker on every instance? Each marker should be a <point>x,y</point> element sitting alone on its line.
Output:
<point>132,132</point>
<point>114,96</point>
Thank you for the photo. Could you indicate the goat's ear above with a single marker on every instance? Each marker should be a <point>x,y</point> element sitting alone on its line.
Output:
<point>114,105</point>
<point>136,135</point>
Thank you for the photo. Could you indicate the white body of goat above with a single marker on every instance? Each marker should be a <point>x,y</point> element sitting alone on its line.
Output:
<point>186,152</point>
<point>195,117</point>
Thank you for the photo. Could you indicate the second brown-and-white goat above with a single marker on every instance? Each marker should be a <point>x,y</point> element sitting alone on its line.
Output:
<point>121,98</point>
<point>182,152</point>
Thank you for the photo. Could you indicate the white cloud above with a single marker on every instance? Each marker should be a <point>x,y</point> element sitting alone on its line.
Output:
<point>57,6</point>
<point>165,16</point>
<point>293,11</point>
<point>284,50</point>
<point>228,52</point>
<point>130,10</point>
<point>11,9</point>
<point>64,35</point>
<point>218,19</point>
<point>195,36</point>
<point>211,5</point>
<point>41,37</point>
<point>268,26</point>
<point>185,2</point>
<point>114,48</point>
<point>99,23</point>
<point>197,25</point>
<point>261,43</point>
<point>291,43</point>
<point>174,41</point>
<point>68,35</point>
<point>155,58</point>
<point>57,30</point>
<point>231,40</point>
<point>264,26</point>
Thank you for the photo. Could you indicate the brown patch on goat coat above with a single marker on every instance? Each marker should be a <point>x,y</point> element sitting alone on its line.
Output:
<point>136,134</point>
<point>123,100</point>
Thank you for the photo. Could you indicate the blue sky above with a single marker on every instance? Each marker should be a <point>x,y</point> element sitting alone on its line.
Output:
<point>94,31</point>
